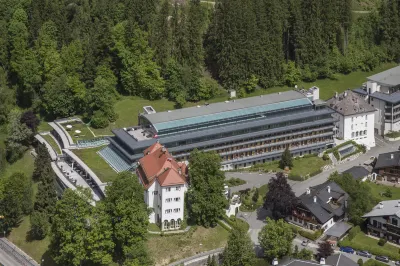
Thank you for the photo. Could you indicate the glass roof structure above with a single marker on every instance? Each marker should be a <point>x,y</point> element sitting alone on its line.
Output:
<point>243,112</point>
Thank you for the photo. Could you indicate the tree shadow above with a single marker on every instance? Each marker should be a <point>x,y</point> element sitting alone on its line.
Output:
<point>47,260</point>
<point>263,213</point>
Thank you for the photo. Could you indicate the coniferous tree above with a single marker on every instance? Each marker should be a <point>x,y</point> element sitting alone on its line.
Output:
<point>286,159</point>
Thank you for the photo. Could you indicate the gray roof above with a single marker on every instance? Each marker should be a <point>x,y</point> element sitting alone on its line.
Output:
<point>390,77</point>
<point>391,98</point>
<point>388,159</point>
<point>322,210</point>
<point>338,229</point>
<point>358,172</point>
<point>390,207</point>
<point>361,91</point>
<point>349,103</point>
<point>221,107</point>
<point>340,259</point>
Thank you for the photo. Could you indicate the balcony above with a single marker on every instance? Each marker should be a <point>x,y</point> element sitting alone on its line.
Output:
<point>393,229</point>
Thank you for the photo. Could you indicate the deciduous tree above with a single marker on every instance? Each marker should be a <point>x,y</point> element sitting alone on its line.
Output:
<point>286,159</point>
<point>276,238</point>
<point>280,198</point>
<point>324,249</point>
<point>205,196</point>
<point>239,250</point>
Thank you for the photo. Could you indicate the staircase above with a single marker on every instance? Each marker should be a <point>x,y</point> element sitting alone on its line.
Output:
<point>114,160</point>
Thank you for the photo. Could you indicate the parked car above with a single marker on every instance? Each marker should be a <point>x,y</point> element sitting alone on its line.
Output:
<point>382,258</point>
<point>347,250</point>
<point>305,242</point>
<point>364,253</point>
<point>397,262</point>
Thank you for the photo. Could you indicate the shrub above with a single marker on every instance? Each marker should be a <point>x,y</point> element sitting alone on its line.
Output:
<point>233,182</point>
<point>325,157</point>
<point>312,236</point>
<point>353,232</point>
<point>360,262</point>
<point>99,120</point>
<point>382,242</point>
<point>295,177</point>
<point>388,193</point>
<point>223,225</point>
<point>39,225</point>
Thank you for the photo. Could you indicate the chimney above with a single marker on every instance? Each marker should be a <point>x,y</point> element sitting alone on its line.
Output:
<point>308,191</point>
<point>329,189</point>
<point>275,261</point>
<point>398,203</point>
<point>322,261</point>
<point>345,93</point>
<point>380,205</point>
<point>315,199</point>
<point>391,156</point>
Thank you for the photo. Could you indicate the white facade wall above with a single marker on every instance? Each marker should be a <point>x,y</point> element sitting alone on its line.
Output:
<point>170,208</point>
<point>328,224</point>
<point>359,127</point>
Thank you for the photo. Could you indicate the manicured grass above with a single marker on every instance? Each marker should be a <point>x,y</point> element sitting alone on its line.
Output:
<point>96,163</point>
<point>363,242</point>
<point>166,249</point>
<point>85,132</point>
<point>262,262</point>
<point>393,134</point>
<point>154,228</point>
<point>24,165</point>
<point>128,108</point>
<point>377,189</point>
<point>44,127</point>
<point>301,166</point>
<point>35,248</point>
<point>52,143</point>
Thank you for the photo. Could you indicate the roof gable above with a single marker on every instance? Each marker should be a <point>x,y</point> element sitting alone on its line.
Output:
<point>349,103</point>
<point>388,159</point>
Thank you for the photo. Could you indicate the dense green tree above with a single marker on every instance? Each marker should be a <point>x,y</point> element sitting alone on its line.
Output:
<point>276,239</point>
<point>304,254</point>
<point>18,137</point>
<point>206,201</point>
<point>161,36</point>
<point>16,200</point>
<point>239,249</point>
<point>42,159</point>
<point>130,217</point>
<point>46,196</point>
<point>286,159</point>
<point>30,120</point>
<point>280,198</point>
<point>39,225</point>
<point>69,228</point>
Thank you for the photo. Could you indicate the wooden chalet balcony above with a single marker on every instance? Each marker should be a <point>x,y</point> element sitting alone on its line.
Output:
<point>308,219</point>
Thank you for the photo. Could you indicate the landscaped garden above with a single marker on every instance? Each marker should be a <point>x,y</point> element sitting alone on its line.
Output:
<point>234,181</point>
<point>393,134</point>
<point>52,143</point>
<point>362,242</point>
<point>96,163</point>
<point>77,130</point>
<point>168,248</point>
<point>308,165</point>
<point>252,199</point>
<point>335,150</point>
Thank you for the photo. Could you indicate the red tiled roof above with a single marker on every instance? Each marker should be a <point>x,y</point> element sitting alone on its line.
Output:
<point>158,163</point>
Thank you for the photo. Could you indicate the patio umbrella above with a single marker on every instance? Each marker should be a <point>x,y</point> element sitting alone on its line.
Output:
<point>77,131</point>
<point>69,126</point>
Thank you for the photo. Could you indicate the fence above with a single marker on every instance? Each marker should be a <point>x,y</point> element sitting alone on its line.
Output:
<point>199,257</point>
<point>18,254</point>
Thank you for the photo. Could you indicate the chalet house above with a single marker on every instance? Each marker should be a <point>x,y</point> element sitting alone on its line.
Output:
<point>384,220</point>
<point>358,172</point>
<point>320,207</point>
<point>165,184</point>
<point>388,166</point>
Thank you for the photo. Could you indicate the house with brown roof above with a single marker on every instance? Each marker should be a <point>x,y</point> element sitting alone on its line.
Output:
<point>165,184</point>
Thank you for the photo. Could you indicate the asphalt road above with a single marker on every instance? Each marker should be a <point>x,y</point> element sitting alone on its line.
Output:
<point>7,259</point>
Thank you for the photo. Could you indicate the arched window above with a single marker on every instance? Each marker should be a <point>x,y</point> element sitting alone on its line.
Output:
<point>172,224</point>
<point>178,223</point>
<point>166,224</point>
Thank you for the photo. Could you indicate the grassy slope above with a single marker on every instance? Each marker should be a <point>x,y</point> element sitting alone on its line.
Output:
<point>128,108</point>
<point>96,163</point>
<point>24,165</point>
<point>165,249</point>
<point>52,143</point>
<point>378,189</point>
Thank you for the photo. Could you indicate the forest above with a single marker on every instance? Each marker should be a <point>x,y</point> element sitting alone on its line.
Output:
<point>77,57</point>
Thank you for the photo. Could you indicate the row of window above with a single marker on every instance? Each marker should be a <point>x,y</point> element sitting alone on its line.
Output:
<point>358,133</point>
<point>168,189</point>
<point>366,125</point>
<point>352,119</point>
<point>170,210</point>
<point>175,199</point>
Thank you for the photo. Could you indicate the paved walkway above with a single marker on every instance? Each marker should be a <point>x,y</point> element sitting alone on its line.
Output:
<point>253,179</point>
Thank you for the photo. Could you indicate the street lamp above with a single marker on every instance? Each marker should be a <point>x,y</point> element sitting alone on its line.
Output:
<point>42,262</point>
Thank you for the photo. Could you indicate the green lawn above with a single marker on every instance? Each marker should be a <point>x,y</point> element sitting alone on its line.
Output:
<point>166,249</point>
<point>301,166</point>
<point>24,165</point>
<point>37,249</point>
<point>44,127</point>
<point>52,143</point>
<point>377,189</point>
<point>96,163</point>
<point>85,132</point>
<point>363,242</point>
<point>153,227</point>
<point>128,107</point>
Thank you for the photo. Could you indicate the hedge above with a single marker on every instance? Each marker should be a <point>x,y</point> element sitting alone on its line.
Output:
<point>373,250</point>
<point>235,222</point>
<point>312,236</point>
<point>374,263</point>
<point>335,150</point>
<point>223,225</point>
